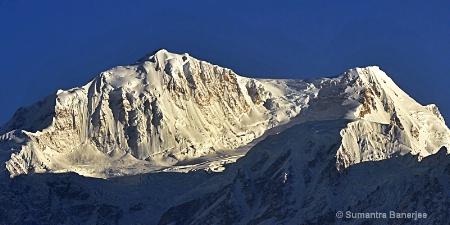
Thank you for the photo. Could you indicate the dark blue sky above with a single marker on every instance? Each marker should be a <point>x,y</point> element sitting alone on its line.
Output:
<point>50,45</point>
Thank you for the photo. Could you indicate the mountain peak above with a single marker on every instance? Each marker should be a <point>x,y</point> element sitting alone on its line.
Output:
<point>162,55</point>
<point>369,74</point>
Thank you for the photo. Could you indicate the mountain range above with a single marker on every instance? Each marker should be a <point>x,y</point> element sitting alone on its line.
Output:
<point>175,140</point>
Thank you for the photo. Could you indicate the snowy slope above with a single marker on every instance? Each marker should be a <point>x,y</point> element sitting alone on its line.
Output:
<point>290,178</point>
<point>171,112</point>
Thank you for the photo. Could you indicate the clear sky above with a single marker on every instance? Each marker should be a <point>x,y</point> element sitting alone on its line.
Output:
<point>50,45</point>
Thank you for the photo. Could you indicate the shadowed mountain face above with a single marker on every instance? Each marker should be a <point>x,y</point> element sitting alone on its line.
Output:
<point>291,178</point>
<point>73,199</point>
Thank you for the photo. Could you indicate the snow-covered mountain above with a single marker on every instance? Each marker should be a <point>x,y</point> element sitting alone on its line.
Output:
<point>168,111</point>
<point>308,144</point>
<point>163,110</point>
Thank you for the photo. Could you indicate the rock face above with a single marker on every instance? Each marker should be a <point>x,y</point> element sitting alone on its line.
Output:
<point>169,109</point>
<point>164,109</point>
